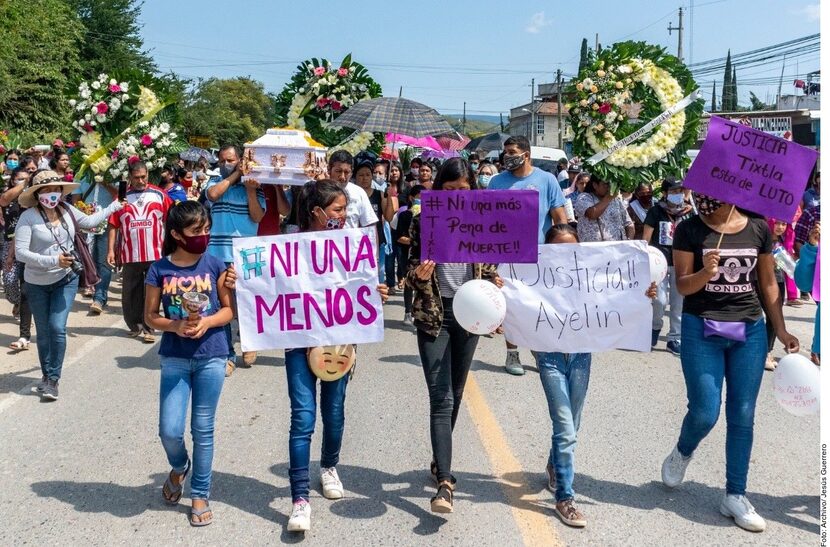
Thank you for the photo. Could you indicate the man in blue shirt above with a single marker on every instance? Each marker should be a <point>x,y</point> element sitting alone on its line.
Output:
<point>236,208</point>
<point>520,174</point>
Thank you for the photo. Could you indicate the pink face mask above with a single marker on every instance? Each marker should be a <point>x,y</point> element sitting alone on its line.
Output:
<point>49,200</point>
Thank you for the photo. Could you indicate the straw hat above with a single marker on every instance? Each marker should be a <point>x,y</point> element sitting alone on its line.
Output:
<point>44,179</point>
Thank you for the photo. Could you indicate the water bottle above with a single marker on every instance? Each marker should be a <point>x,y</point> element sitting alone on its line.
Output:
<point>784,261</point>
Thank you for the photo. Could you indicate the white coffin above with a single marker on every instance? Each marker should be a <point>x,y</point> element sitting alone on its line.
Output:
<point>284,156</point>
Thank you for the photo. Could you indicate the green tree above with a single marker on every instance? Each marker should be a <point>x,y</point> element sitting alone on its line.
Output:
<point>714,98</point>
<point>726,91</point>
<point>758,104</point>
<point>37,59</point>
<point>111,40</point>
<point>583,55</point>
<point>231,111</point>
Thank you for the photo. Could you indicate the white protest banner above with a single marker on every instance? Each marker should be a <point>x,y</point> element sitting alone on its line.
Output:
<point>306,290</point>
<point>580,298</point>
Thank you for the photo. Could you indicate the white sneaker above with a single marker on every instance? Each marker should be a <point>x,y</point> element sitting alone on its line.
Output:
<point>674,468</point>
<point>300,520</point>
<point>407,319</point>
<point>739,508</point>
<point>332,487</point>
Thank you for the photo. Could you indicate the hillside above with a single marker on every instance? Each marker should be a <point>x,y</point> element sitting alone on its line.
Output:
<point>476,126</point>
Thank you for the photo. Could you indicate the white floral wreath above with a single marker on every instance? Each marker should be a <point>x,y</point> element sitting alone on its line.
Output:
<point>664,139</point>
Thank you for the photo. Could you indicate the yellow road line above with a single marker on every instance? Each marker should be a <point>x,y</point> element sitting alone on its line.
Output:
<point>534,526</point>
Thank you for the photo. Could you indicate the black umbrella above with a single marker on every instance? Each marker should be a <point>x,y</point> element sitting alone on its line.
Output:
<point>394,115</point>
<point>493,141</point>
<point>194,153</point>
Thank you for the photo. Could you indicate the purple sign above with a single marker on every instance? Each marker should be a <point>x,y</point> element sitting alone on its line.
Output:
<point>751,169</point>
<point>491,226</point>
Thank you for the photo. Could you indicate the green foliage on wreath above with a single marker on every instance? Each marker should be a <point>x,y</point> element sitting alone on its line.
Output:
<point>676,162</point>
<point>337,96</point>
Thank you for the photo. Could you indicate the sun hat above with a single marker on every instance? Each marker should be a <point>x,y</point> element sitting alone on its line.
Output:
<point>44,179</point>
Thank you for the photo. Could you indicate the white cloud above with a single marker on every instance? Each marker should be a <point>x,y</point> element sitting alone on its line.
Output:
<point>811,11</point>
<point>538,21</point>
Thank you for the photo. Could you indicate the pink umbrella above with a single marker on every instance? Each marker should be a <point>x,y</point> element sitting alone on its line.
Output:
<point>420,142</point>
<point>451,144</point>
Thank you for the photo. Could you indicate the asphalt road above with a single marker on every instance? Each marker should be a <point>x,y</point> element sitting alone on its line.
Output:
<point>88,469</point>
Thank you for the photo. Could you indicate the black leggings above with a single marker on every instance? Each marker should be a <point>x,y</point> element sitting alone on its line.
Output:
<point>782,290</point>
<point>446,360</point>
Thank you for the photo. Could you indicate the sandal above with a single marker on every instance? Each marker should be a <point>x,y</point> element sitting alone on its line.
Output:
<point>442,502</point>
<point>196,515</point>
<point>20,345</point>
<point>172,494</point>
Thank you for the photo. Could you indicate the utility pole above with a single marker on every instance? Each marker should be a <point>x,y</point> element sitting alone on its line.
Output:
<point>596,42</point>
<point>400,92</point>
<point>679,29</point>
<point>533,110</point>
<point>780,82</point>
<point>691,28</point>
<point>501,122</point>
<point>464,120</point>
<point>559,105</point>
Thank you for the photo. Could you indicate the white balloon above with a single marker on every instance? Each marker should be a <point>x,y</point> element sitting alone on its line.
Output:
<point>797,385</point>
<point>479,306</point>
<point>658,267</point>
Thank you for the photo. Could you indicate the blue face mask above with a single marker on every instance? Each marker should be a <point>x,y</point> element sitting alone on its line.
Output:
<point>12,164</point>
<point>416,202</point>
<point>675,199</point>
<point>484,180</point>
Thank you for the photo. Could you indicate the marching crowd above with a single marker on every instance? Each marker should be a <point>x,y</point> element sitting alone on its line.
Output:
<point>63,236</point>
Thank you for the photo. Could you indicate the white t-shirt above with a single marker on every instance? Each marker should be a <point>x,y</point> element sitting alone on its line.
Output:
<point>359,212</point>
<point>562,176</point>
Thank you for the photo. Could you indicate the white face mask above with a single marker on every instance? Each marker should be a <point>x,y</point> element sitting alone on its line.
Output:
<point>49,200</point>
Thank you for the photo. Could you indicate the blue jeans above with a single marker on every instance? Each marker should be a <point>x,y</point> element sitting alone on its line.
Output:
<point>181,380</point>
<point>565,381</point>
<point>302,391</point>
<point>51,305</point>
<point>99,255</point>
<point>668,295</point>
<point>707,362</point>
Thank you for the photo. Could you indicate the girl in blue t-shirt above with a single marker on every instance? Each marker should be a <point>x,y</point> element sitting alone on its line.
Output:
<point>189,286</point>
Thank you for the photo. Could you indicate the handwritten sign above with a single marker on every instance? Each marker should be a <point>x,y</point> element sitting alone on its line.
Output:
<point>306,290</point>
<point>751,169</point>
<point>580,298</point>
<point>491,226</point>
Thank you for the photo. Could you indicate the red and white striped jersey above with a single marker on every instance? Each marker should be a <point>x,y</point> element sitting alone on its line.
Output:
<point>141,224</point>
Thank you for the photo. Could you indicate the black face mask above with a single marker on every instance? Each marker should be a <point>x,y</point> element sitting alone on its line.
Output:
<point>511,163</point>
<point>706,205</point>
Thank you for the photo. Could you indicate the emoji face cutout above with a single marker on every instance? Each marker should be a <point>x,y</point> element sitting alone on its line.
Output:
<point>330,363</point>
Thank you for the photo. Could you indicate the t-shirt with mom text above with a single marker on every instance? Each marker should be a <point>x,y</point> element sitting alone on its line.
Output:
<point>201,277</point>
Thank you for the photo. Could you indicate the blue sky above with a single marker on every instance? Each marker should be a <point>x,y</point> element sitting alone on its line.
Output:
<point>446,52</point>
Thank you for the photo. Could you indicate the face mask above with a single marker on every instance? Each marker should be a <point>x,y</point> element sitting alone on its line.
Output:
<point>414,171</point>
<point>195,244</point>
<point>49,200</point>
<point>484,180</point>
<point>645,200</point>
<point>511,163</point>
<point>706,205</point>
<point>380,179</point>
<point>474,166</point>
<point>675,199</point>
<point>416,201</point>
<point>225,170</point>
<point>12,164</point>
<point>333,223</point>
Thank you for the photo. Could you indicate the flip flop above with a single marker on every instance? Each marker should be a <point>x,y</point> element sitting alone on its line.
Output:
<point>172,494</point>
<point>198,514</point>
<point>20,344</point>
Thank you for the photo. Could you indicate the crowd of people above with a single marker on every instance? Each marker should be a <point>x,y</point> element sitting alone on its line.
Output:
<point>168,234</point>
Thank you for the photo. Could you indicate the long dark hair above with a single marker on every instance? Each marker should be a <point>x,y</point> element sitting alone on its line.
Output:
<point>320,193</point>
<point>455,169</point>
<point>57,152</point>
<point>183,215</point>
<point>592,182</point>
<point>401,180</point>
